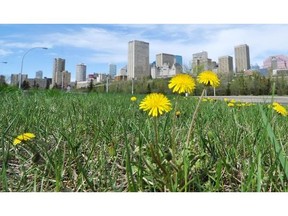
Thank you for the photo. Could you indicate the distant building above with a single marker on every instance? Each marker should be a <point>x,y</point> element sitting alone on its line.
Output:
<point>15,79</point>
<point>81,72</point>
<point>225,65</point>
<point>280,72</point>
<point>178,60</point>
<point>138,60</point>
<point>58,68</point>
<point>40,83</point>
<point>66,79</point>
<point>112,70</point>
<point>39,74</point>
<point>201,61</point>
<point>276,62</point>
<point>242,58</point>
<point>122,75</point>
<point>165,59</point>
<point>2,79</point>
<point>83,84</point>
<point>165,71</point>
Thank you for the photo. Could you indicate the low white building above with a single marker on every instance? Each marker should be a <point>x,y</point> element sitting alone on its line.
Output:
<point>165,70</point>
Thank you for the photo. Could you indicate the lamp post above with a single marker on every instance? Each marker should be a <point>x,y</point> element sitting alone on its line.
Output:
<point>20,76</point>
<point>132,85</point>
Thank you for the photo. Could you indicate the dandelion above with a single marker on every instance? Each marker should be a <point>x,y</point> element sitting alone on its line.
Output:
<point>208,78</point>
<point>23,137</point>
<point>178,113</point>
<point>280,109</point>
<point>182,83</point>
<point>133,98</point>
<point>156,104</point>
<point>231,104</point>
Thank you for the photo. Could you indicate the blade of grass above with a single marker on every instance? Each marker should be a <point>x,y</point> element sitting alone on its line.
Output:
<point>278,150</point>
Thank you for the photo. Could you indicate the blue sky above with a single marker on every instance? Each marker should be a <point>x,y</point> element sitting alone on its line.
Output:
<point>97,45</point>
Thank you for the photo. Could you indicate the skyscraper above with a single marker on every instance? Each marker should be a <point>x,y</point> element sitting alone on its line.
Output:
<point>81,72</point>
<point>138,60</point>
<point>112,70</point>
<point>39,74</point>
<point>178,59</point>
<point>225,64</point>
<point>242,58</point>
<point>58,68</point>
<point>200,62</point>
<point>164,58</point>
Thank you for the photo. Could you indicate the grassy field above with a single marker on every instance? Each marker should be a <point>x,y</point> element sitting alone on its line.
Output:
<point>103,142</point>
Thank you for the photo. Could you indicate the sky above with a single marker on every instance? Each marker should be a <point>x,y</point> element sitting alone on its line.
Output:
<point>98,45</point>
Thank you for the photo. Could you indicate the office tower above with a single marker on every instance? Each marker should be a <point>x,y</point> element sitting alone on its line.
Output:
<point>39,74</point>
<point>164,58</point>
<point>15,78</point>
<point>178,59</point>
<point>81,72</point>
<point>201,62</point>
<point>2,79</point>
<point>276,62</point>
<point>112,70</point>
<point>138,60</point>
<point>242,58</point>
<point>225,64</point>
<point>58,68</point>
<point>66,79</point>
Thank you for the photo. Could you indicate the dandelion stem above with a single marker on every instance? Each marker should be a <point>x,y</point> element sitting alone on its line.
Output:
<point>173,140</point>
<point>194,117</point>
<point>154,148</point>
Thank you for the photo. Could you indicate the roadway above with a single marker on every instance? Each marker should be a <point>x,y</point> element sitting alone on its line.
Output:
<point>255,99</point>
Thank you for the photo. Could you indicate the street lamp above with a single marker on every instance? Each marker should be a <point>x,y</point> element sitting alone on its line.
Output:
<point>20,77</point>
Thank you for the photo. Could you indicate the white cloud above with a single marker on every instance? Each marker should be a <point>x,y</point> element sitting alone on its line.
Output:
<point>4,52</point>
<point>109,43</point>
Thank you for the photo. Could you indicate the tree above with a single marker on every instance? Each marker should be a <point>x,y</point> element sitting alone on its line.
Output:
<point>90,86</point>
<point>25,85</point>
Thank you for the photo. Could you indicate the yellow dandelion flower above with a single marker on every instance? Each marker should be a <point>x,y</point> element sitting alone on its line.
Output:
<point>178,113</point>
<point>231,104</point>
<point>226,99</point>
<point>182,83</point>
<point>208,78</point>
<point>280,109</point>
<point>133,99</point>
<point>204,99</point>
<point>23,137</point>
<point>156,104</point>
<point>233,101</point>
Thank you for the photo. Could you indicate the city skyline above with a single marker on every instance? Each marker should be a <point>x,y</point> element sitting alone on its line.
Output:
<point>98,45</point>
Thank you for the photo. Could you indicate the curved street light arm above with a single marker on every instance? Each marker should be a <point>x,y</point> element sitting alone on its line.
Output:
<point>20,77</point>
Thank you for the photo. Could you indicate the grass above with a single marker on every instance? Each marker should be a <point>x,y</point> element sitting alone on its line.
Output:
<point>103,142</point>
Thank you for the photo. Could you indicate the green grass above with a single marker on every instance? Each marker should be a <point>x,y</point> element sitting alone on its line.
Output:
<point>103,142</point>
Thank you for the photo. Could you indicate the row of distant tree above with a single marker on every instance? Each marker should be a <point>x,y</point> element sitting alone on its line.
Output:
<point>255,84</point>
